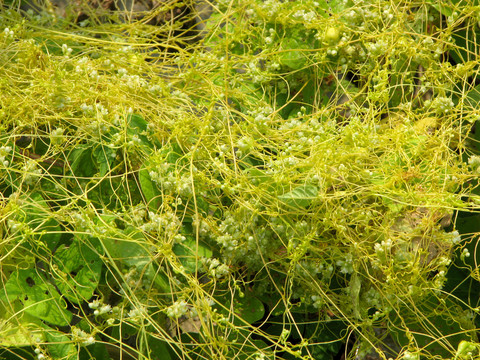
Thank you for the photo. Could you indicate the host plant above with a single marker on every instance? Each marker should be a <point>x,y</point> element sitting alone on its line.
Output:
<point>300,183</point>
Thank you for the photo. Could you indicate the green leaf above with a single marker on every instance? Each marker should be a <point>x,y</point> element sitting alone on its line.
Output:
<point>173,153</point>
<point>445,329</point>
<point>159,348</point>
<point>17,328</point>
<point>128,248</point>
<point>190,251</point>
<point>472,98</point>
<point>466,44</point>
<point>36,212</point>
<point>447,7</point>
<point>149,189</point>
<point>160,280</point>
<point>39,298</point>
<point>354,287</point>
<point>98,351</point>
<point>300,197</point>
<point>81,161</point>
<point>247,349</point>
<point>292,55</point>
<point>104,157</point>
<point>17,353</point>
<point>442,8</point>
<point>247,308</point>
<point>81,267</point>
<point>138,126</point>
<point>60,346</point>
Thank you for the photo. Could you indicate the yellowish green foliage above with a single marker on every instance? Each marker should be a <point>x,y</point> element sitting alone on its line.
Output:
<point>300,176</point>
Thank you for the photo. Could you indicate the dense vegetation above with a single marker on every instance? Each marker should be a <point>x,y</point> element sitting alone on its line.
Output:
<point>298,180</point>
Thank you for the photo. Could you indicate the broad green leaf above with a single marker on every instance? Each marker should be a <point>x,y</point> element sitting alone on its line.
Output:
<point>173,153</point>
<point>300,197</point>
<point>248,308</point>
<point>466,45</point>
<point>472,98</point>
<point>257,176</point>
<point>448,7</point>
<point>442,7</point>
<point>17,328</point>
<point>81,161</point>
<point>355,286</point>
<point>36,213</point>
<point>292,54</point>
<point>190,252</point>
<point>149,189</point>
<point>445,329</point>
<point>39,298</point>
<point>60,346</point>
<point>99,351</point>
<point>159,348</point>
<point>81,268</point>
<point>128,248</point>
<point>138,126</point>
<point>247,349</point>
<point>104,157</point>
<point>17,353</point>
<point>160,280</point>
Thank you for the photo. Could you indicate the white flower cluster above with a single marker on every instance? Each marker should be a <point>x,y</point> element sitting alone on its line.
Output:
<point>15,226</point>
<point>307,17</point>
<point>407,355</point>
<point>379,48</point>
<point>166,221</point>
<point>384,246</point>
<point>90,109</point>
<point>361,16</point>
<point>441,105</point>
<point>180,94</point>
<point>40,355</point>
<point>138,214</point>
<point>61,101</point>
<point>66,50</point>
<point>261,114</point>
<point>269,38</point>
<point>82,337</point>
<point>180,308</point>
<point>99,307</point>
<point>245,146</point>
<point>169,182</point>
<point>317,301</point>
<point>8,33</point>
<point>4,153</point>
<point>454,236</point>
<point>96,128</point>
<point>439,280</point>
<point>203,227</point>
<point>474,162</point>
<point>215,268</point>
<point>31,171</point>
<point>81,221</point>
<point>260,356</point>
<point>255,72</point>
<point>133,81</point>
<point>270,6</point>
<point>83,65</point>
<point>346,264</point>
<point>56,136</point>
<point>228,243</point>
<point>137,314</point>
